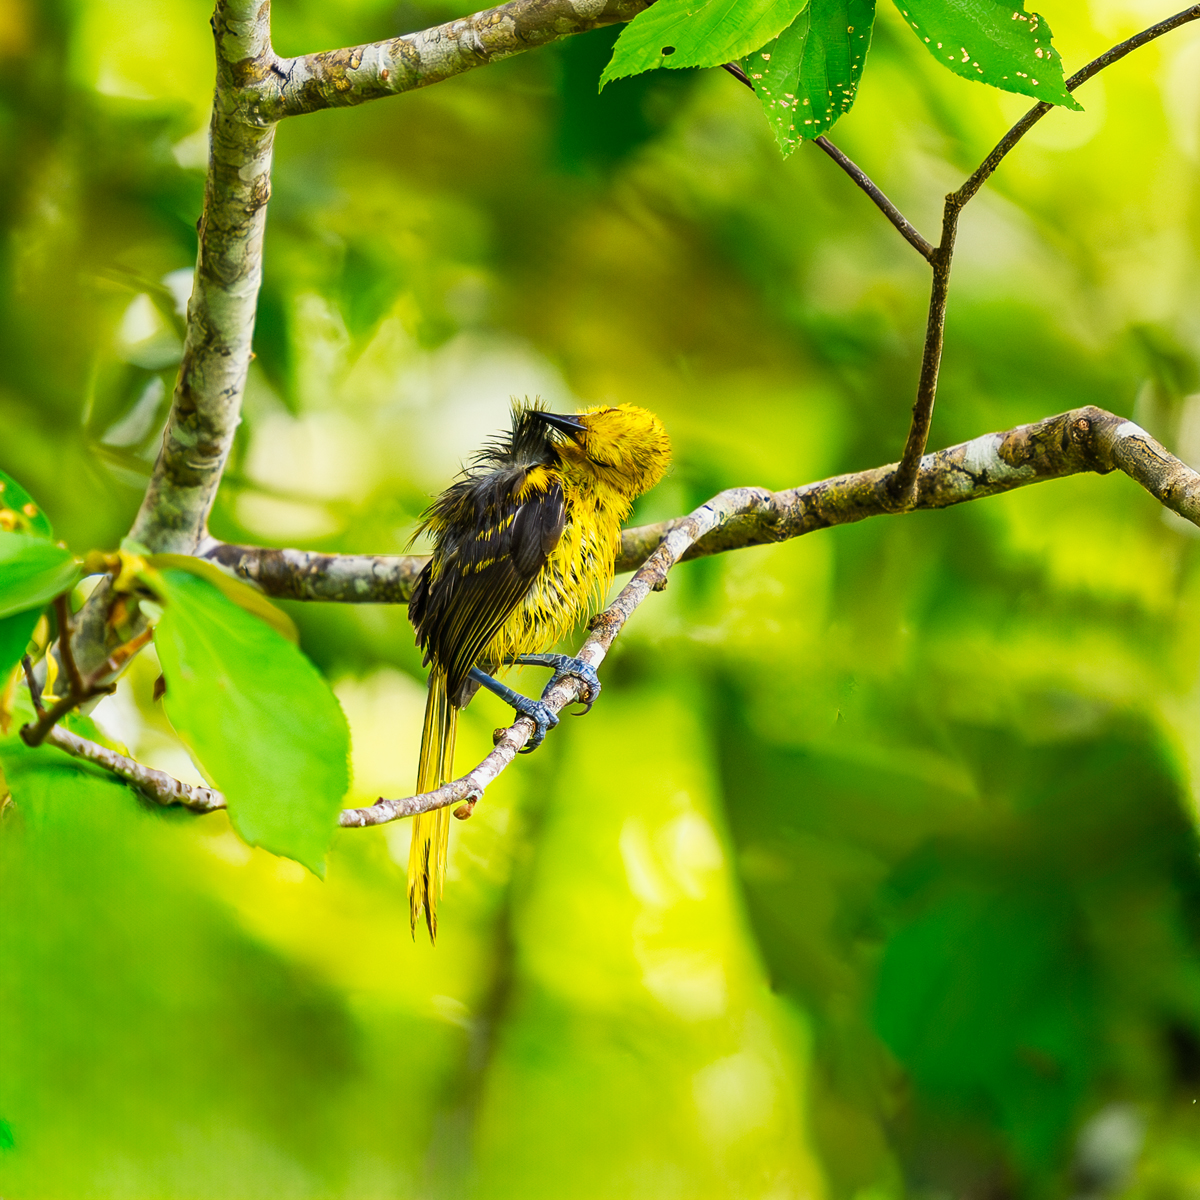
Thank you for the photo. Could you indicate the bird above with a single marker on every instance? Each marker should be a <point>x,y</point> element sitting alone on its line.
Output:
<point>525,543</point>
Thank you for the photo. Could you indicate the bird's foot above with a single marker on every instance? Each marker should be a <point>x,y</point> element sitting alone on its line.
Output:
<point>564,665</point>
<point>544,718</point>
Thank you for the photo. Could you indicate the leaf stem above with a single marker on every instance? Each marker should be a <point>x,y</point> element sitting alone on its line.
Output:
<point>907,230</point>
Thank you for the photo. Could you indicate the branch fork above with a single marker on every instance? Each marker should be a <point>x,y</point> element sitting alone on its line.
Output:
<point>80,689</point>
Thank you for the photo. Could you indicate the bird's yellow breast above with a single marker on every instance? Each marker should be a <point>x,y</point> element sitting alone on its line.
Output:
<point>576,577</point>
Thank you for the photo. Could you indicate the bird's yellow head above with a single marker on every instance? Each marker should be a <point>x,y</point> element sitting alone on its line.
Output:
<point>626,447</point>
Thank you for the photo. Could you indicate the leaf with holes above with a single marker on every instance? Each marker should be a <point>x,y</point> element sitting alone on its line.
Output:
<point>808,76</point>
<point>697,33</point>
<point>257,716</point>
<point>992,41</point>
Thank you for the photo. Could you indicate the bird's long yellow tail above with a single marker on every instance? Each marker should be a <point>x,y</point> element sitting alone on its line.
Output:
<point>431,831</point>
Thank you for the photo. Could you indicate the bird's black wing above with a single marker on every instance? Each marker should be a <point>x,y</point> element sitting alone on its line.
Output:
<point>493,534</point>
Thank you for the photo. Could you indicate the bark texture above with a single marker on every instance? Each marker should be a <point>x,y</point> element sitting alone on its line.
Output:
<point>356,74</point>
<point>220,319</point>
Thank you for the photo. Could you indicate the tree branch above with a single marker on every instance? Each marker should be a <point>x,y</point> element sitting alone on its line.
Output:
<point>356,74</point>
<point>649,577</point>
<point>908,231</point>
<point>155,785</point>
<point>220,319</point>
<point>1084,439</point>
<point>206,406</point>
<point>306,575</point>
<point>902,486</point>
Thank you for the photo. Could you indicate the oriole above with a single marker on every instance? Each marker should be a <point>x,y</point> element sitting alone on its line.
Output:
<point>524,543</point>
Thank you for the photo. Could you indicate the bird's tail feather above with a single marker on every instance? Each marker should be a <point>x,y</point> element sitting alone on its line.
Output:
<point>431,830</point>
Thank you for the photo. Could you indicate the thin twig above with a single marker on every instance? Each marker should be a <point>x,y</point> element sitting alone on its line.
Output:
<point>903,486</point>
<point>79,689</point>
<point>62,610</point>
<point>1035,114</point>
<point>908,231</point>
<point>155,785</point>
<point>35,688</point>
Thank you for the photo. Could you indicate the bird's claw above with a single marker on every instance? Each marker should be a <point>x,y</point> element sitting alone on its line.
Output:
<point>544,719</point>
<point>576,668</point>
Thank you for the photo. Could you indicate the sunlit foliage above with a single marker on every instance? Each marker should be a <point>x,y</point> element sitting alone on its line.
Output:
<point>872,875</point>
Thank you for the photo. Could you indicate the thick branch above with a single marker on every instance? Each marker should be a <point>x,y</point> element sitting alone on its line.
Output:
<point>305,575</point>
<point>356,74</point>
<point>1085,439</point>
<point>220,321</point>
<point>206,407</point>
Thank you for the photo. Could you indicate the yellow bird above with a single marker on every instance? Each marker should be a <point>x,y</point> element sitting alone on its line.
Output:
<point>524,544</point>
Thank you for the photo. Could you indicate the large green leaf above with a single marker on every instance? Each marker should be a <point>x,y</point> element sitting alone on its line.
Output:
<point>697,33</point>
<point>18,512</point>
<point>32,572</point>
<point>992,41</point>
<point>257,716</point>
<point>808,76</point>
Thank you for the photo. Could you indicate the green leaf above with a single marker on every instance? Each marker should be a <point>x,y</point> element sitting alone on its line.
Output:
<point>257,716</point>
<point>697,33</point>
<point>241,594</point>
<point>15,632</point>
<point>18,512</point>
<point>808,76</point>
<point>992,41</point>
<point>32,572</point>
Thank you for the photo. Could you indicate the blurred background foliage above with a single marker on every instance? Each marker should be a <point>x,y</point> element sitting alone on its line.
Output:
<point>874,875</point>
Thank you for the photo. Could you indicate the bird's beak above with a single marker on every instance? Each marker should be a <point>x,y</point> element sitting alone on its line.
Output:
<point>567,423</point>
